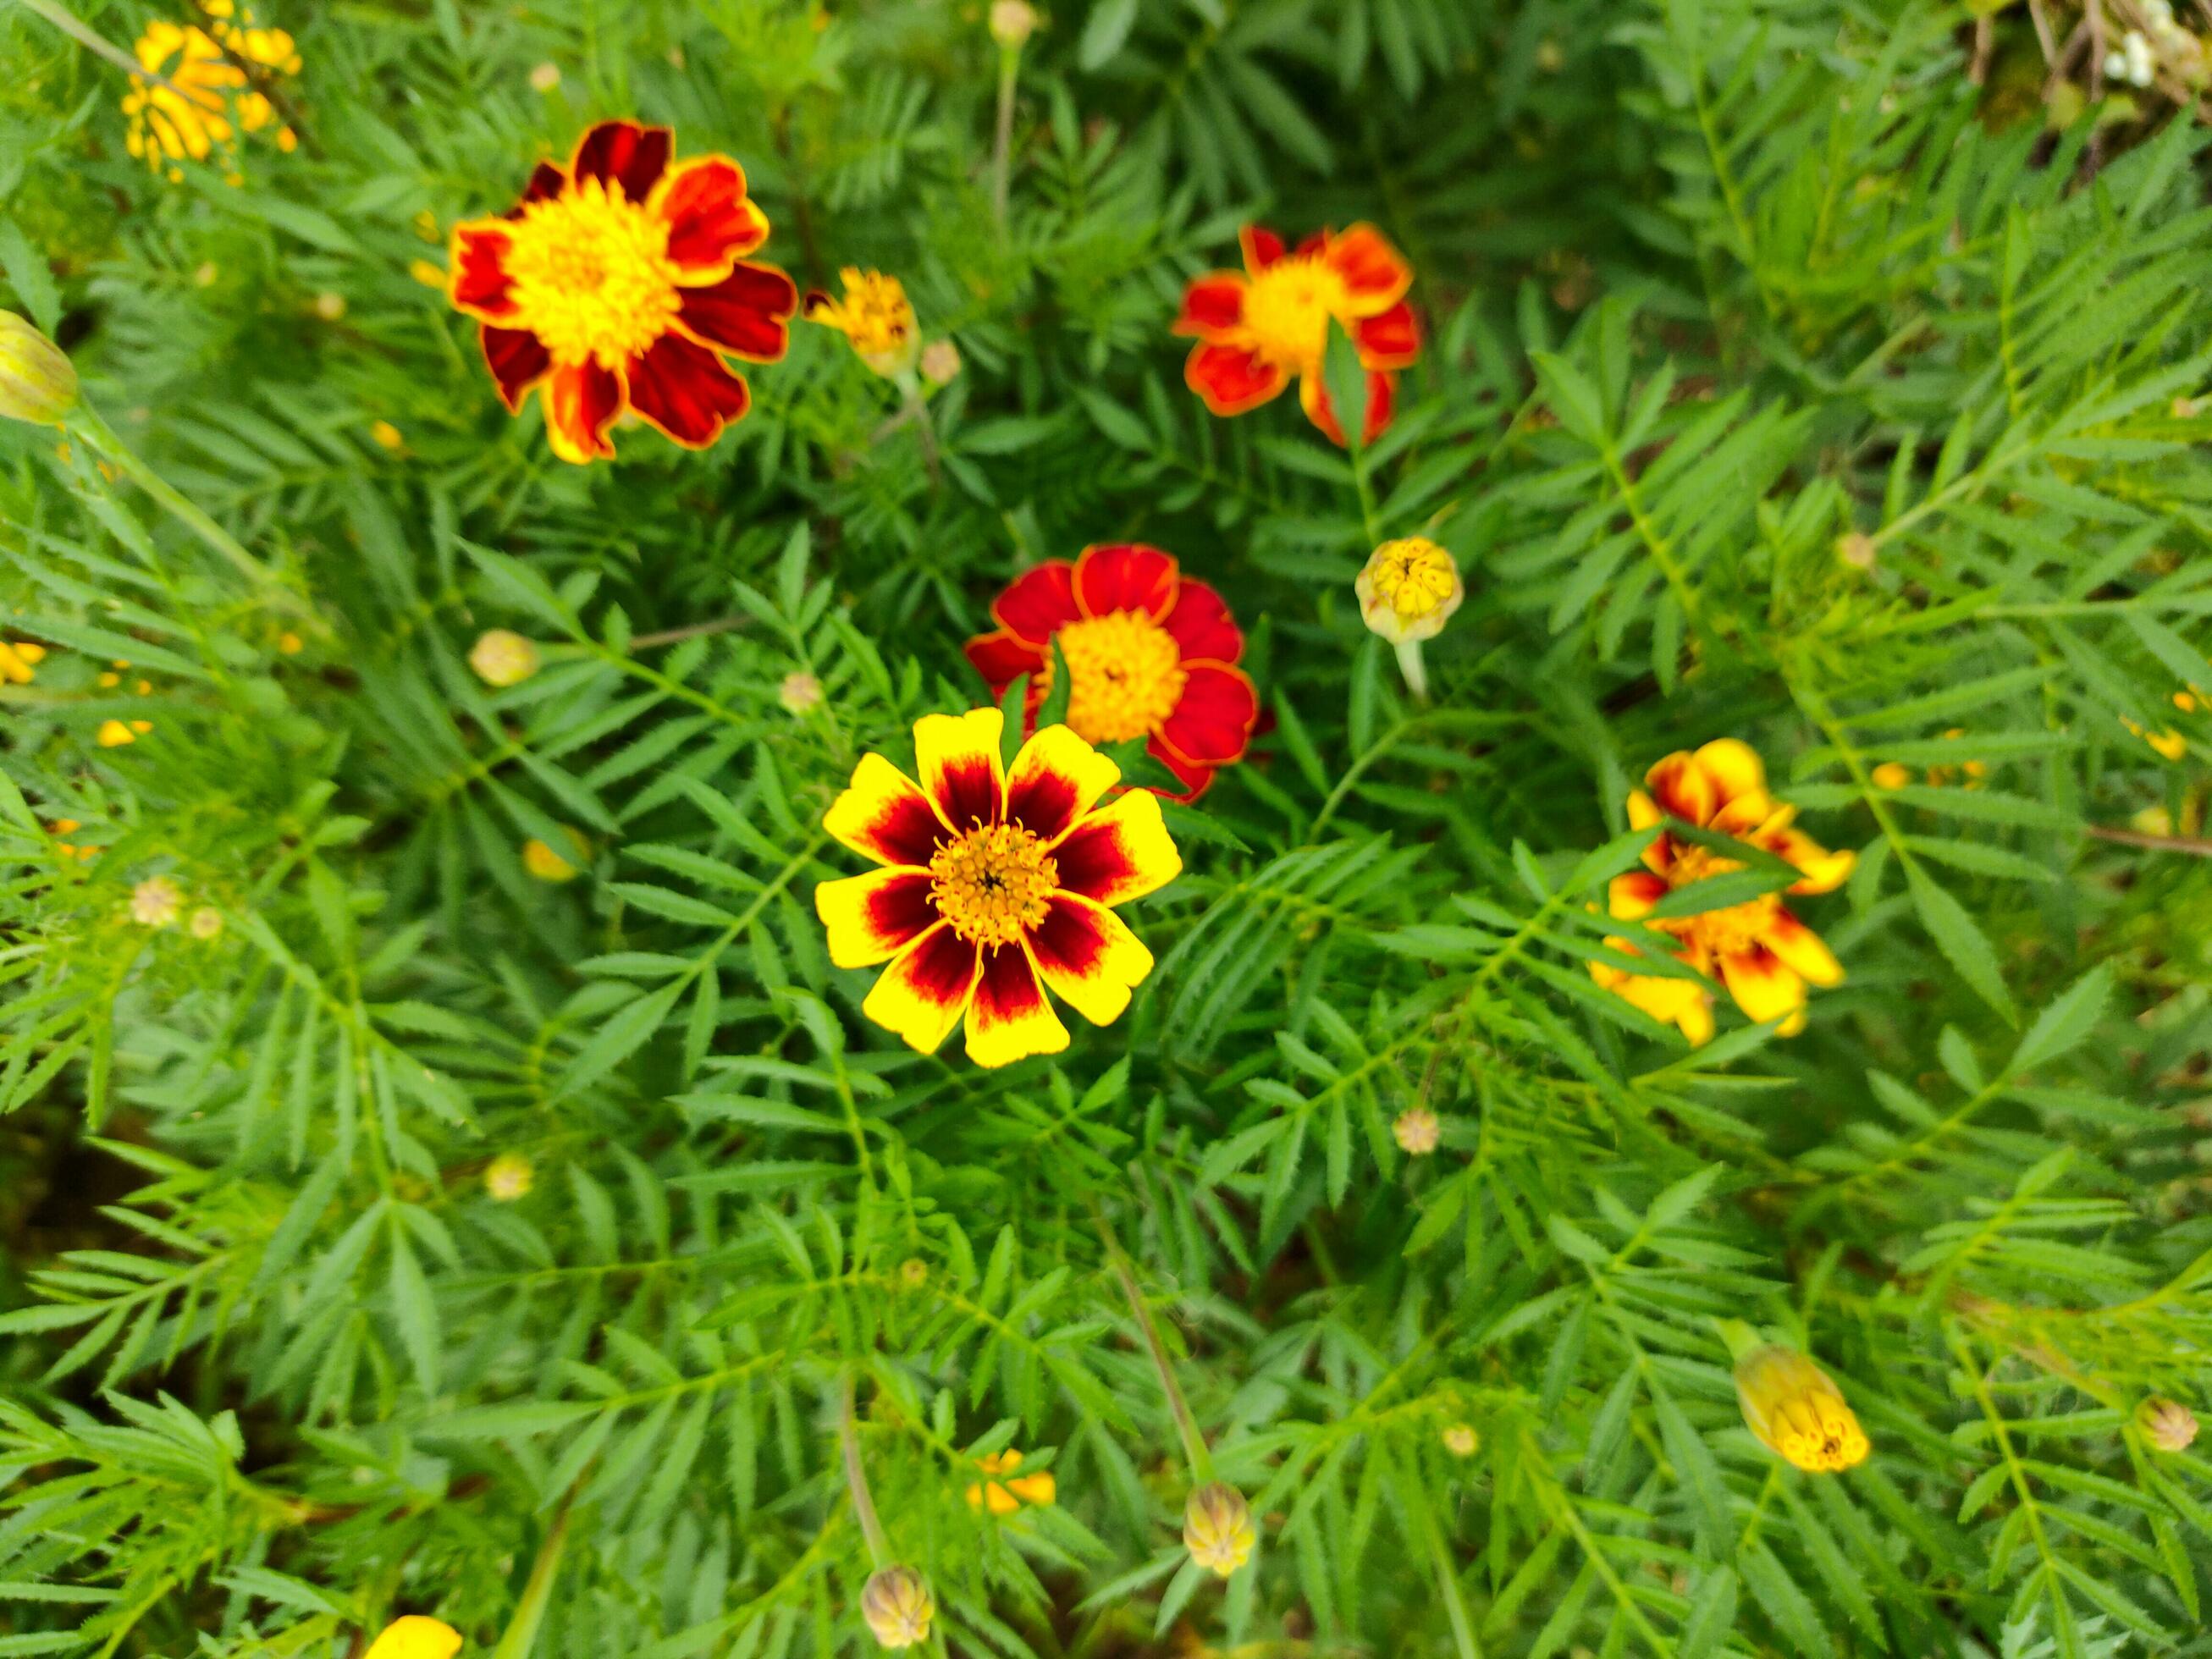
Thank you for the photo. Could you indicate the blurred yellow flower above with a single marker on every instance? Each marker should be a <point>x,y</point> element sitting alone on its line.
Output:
<point>208,88</point>
<point>1796,1411</point>
<point>875,316</point>
<point>1013,23</point>
<point>508,1177</point>
<point>1005,1497</point>
<point>387,436</point>
<point>415,1637</point>
<point>1891,776</point>
<point>940,363</point>
<point>19,660</point>
<point>545,78</point>
<point>329,307</point>
<point>113,734</point>
<point>1417,1131</point>
<point>1460,1440</point>
<point>1217,1528</point>
<point>156,903</point>
<point>2167,1424</point>
<point>800,693</point>
<point>543,862</point>
<point>503,657</point>
<point>206,922</point>
<point>290,643</point>
<point>428,274</point>
<point>1409,590</point>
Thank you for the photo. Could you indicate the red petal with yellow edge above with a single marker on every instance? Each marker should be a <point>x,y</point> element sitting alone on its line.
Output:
<point>1390,339</point>
<point>746,312</point>
<point>1199,623</point>
<point>1802,950</point>
<point>479,284</point>
<point>1764,986</point>
<point>1682,789</point>
<point>1262,247</point>
<point>1055,780</point>
<point>919,998</point>
<point>686,391</point>
<point>1735,767</point>
<point>1002,658</point>
<point>1631,897</point>
<point>546,182</point>
<point>711,223</point>
<point>957,756</point>
<point>1374,273</point>
<point>580,404</point>
<point>871,918</point>
<point>1089,957</point>
<point>626,154</point>
<point>518,360</point>
<point>1213,719</point>
<point>1212,303</point>
<point>1231,379</point>
<point>1130,577</point>
<point>1195,779</point>
<point>1039,603</point>
<point>1009,1018</point>
<point>1824,871</point>
<point>883,815</point>
<point>1119,853</point>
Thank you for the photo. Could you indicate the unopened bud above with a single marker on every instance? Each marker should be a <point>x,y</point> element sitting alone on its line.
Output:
<point>1460,1440</point>
<point>503,658</point>
<point>940,363</point>
<point>800,693</point>
<point>2166,1423</point>
<point>897,1607</point>
<point>37,383</point>
<point>417,1638</point>
<point>1416,1130</point>
<point>1013,23</point>
<point>1217,1528</point>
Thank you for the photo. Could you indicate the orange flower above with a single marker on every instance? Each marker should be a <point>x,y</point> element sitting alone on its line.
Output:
<point>1004,1496</point>
<point>995,878</point>
<point>1258,329</point>
<point>1763,953</point>
<point>1151,655</point>
<point>618,284</point>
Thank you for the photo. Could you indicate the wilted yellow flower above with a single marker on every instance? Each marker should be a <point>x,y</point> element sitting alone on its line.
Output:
<point>799,694</point>
<point>897,1607</point>
<point>1013,23</point>
<point>206,922</point>
<point>1005,1497</point>
<point>1460,1440</point>
<point>387,436</point>
<point>155,902</point>
<point>1409,590</point>
<point>1891,775</point>
<point>940,363</point>
<point>415,1637</point>
<point>1217,1528</point>
<point>19,660</point>
<point>1416,1130</point>
<point>503,658</point>
<point>2167,1424</point>
<point>208,89</point>
<point>37,383</point>
<point>1796,1411</point>
<point>508,1177</point>
<point>543,862</point>
<point>875,315</point>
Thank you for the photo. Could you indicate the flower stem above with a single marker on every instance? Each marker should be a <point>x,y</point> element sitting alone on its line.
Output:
<point>1416,673</point>
<point>1010,61</point>
<point>856,1480</point>
<point>529,1612</point>
<point>87,420</point>
<point>1194,1443</point>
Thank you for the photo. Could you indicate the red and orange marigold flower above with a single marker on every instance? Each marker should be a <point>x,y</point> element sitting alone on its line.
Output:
<point>1151,653</point>
<point>618,284</point>
<point>1258,328</point>
<point>1762,952</point>
<point>994,879</point>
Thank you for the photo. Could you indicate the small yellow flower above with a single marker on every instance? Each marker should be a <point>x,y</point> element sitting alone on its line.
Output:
<point>415,1637</point>
<point>914,1273</point>
<point>1460,1440</point>
<point>428,274</point>
<point>543,862</point>
<point>897,1607</point>
<point>545,78</point>
<point>508,1177</point>
<point>1796,1411</point>
<point>19,660</point>
<point>940,363</point>
<point>1013,23</point>
<point>799,694</point>
<point>1005,1497</point>
<point>2185,702</point>
<point>1416,1130</point>
<point>2169,743</point>
<point>206,922</point>
<point>156,903</point>
<point>208,89</point>
<point>2167,1424</point>
<point>329,307</point>
<point>1891,775</point>
<point>113,734</point>
<point>290,643</point>
<point>206,273</point>
<point>1217,1528</point>
<point>37,383</point>
<point>1409,590</point>
<point>387,436</point>
<point>875,316</point>
<point>503,658</point>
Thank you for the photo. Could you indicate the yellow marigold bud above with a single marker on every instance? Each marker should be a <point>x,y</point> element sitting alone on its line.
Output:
<point>503,658</point>
<point>19,660</point>
<point>897,1607</point>
<point>1013,23</point>
<point>113,734</point>
<point>1409,590</point>
<point>875,316</point>
<point>1796,1411</point>
<point>415,1637</point>
<point>1460,1440</point>
<point>543,862</point>
<point>1891,775</point>
<point>206,922</point>
<point>2166,1423</point>
<point>387,436</point>
<point>37,383</point>
<point>1217,1528</point>
<point>1416,1130</point>
<point>508,1177</point>
<point>799,694</point>
<point>155,902</point>
<point>940,363</point>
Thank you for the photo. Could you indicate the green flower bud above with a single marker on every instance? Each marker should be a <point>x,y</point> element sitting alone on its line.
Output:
<point>37,382</point>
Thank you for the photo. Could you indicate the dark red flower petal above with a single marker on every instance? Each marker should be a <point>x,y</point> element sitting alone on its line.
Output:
<point>745,312</point>
<point>1213,719</point>
<point>710,221</point>
<point>580,404</point>
<point>546,181</point>
<point>1039,603</point>
<point>480,284</point>
<point>626,154</point>
<point>1196,778</point>
<point>1124,577</point>
<point>1232,379</point>
<point>1003,657</point>
<point>1201,624</point>
<point>1215,300</point>
<point>1391,339</point>
<point>1262,247</point>
<point>684,389</point>
<point>518,360</point>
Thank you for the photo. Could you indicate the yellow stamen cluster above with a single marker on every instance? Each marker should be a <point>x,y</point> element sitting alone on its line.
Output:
<point>1796,1411</point>
<point>590,275</point>
<point>992,884</point>
<point>205,69</point>
<point>876,316</point>
<point>1288,308</point>
<point>1125,676</point>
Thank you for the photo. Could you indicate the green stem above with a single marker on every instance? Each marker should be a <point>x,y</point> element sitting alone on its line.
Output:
<point>529,1613</point>
<point>1416,673</point>
<point>1194,1443</point>
<point>856,1480</point>
<point>87,421</point>
<point>1010,59</point>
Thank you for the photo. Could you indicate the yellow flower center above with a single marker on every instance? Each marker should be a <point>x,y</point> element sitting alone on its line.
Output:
<point>1412,576</point>
<point>1726,932</point>
<point>1288,308</point>
<point>592,276</point>
<point>992,884</point>
<point>1125,676</point>
<point>876,316</point>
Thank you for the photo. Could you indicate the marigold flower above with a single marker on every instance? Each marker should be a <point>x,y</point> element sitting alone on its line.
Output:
<point>1151,653</point>
<point>415,1637</point>
<point>1460,1440</point>
<point>508,1177</point>
<point>387,436</point>
<point>503,657</point>
<point>19,660</point>
<point>1890,775</point>
<point>208,90</point>
<point>1257,329</point>
<point>1005,1497</point>
<point>618,284</point>
<point>2166,1423</point>
<point>897,1607</point>
<point>1409,590</point>
<point>1796,1411</point>
<point>800,693</point>
<point>1762,952</point>
<point>543,862</point>
<point>1417,1131</point>
<point>156,902</point>
<point>993,878</point>
<point>1217,1528</point>
<point>38,382</point>
<point>113,734</point>
<point>875,316</point>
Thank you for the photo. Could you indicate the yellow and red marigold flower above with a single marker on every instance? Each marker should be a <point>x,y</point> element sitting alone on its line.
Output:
<point>1151,653</point>
<point>994,879</point>
<point>1762,952</point>
<point>1257,329</point>
<point>618,284</point>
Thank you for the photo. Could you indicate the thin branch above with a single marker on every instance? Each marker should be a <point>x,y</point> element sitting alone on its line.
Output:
<point>2195,849</point>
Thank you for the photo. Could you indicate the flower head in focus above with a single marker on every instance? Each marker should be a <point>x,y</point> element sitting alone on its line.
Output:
<point>897,1607</point>
<point>997,883</point>
<point>1409,590</point>
<point>617,285</point>
<point>209,89</point>
<point>502,657</point>
<point>415,1637</point>
<point>1003,1492</point>
<point>875,316</point>
<point>1763,955</point>
<point>1217,1528</point>
<point>1151,653</point>
<point>1259,329</point>
<point>38,382</point>
<point>1796,1411</point>
<point>156,903</point>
